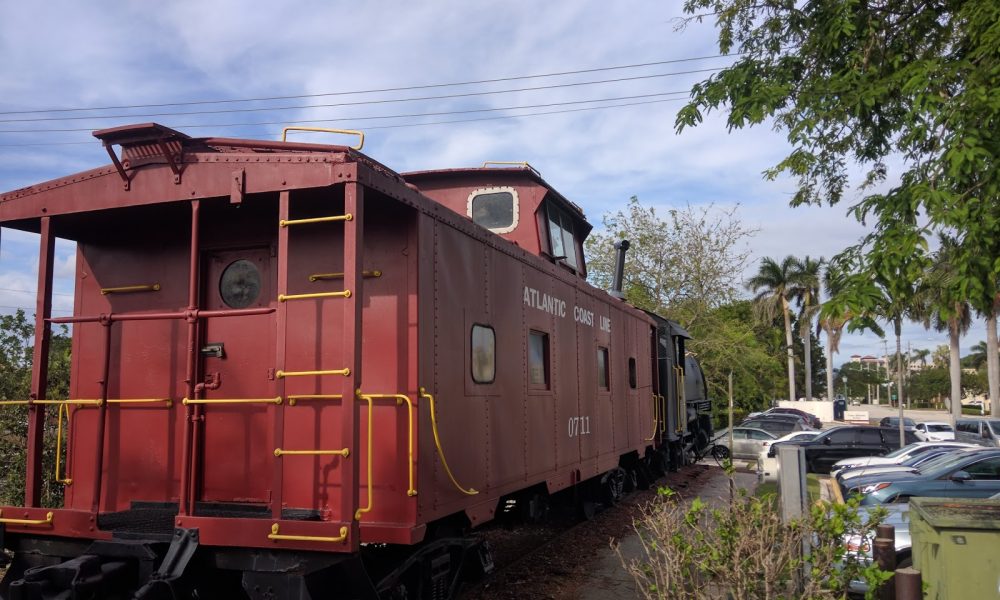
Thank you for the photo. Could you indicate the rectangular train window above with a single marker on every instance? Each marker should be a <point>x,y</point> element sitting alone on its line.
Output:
<point>561,236</point>
<point>484,354</point>
<point>631,373</point>
<point>603,376</point>
<point>538,360</point>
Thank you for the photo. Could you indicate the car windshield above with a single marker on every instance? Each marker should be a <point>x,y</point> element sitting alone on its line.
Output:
<point>924,458</point>
<point>995,426</point>
<point>942,464</point>
<point>901,451</point>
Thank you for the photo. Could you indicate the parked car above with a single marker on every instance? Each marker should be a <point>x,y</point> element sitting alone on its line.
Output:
<point>983,432</point>
<point>779,425</point>
<point>971,473</point>
<point>845,477</point>
<point>896,456</point>
<point>747,442</point>
<point>848,441</point>
<point>934,430</point>
<point>908,423</point>
<point>768,466</point>
<point>811,419</point>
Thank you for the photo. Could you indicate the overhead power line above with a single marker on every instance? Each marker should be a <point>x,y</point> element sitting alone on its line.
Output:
<point>395,126</point>
<point>357,103</point>
<point>368,117</point>
<point>370,91</point>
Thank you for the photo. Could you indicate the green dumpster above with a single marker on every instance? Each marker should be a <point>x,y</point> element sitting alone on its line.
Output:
<point>956,547</point>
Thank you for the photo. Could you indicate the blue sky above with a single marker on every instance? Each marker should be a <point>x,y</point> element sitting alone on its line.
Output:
<point>63,54</point>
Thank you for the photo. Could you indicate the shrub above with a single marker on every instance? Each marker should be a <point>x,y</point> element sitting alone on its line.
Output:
<point>742,550</point>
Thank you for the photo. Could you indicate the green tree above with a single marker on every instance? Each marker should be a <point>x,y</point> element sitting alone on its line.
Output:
<point>16,334</point>
<point>774,286</point>
<point>920,354</point>
<point>976,357</point>
<point>806,293</point>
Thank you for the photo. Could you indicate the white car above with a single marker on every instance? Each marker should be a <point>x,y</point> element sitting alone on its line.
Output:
<point>934,431</point>
<point>895,457</point>
<point>767,466</point>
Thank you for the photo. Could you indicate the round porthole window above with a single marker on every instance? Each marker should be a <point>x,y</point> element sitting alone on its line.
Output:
<point>239,285</point>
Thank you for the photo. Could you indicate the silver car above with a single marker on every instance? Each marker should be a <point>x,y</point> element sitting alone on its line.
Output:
<point>747,442</point>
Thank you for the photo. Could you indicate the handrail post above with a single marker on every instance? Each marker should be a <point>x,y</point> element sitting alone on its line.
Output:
<point>353,280</point>
<point>187,451</point>
<point>39,365</point>
<point>281,325</point>
<point>102,418</point>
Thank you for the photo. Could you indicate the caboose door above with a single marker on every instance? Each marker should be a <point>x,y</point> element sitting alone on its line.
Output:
<point>238,354</point>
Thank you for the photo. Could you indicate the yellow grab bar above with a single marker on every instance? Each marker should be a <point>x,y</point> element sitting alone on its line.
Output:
<point>293,400</point>
<point>288,222</point>
<point>345,452</point>
<point>59,437</point>
<point>371,497</point>
<point>274,535</point>
<point>656,420</point>
<point>46,521</point>
<point>437,442</point>
<point>325,276</point>
<point>344,372</point>
<point>165,401</point>
<point>88,402</point>
<point>131,289</point>
<point>187,401</point>
<point>360,134</point>
<point>14,402</point>
<point>343,294</point>
<point>401,398</point>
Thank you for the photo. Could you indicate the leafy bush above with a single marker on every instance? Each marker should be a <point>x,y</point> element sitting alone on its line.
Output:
<point>743,551</point>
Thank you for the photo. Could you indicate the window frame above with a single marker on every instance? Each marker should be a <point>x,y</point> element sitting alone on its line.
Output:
<point>472,352</point>
<point>496,190</point>
<point>606,352</point>
<point>564,223</point>
<point>546,361</point>
<point>633,373</point>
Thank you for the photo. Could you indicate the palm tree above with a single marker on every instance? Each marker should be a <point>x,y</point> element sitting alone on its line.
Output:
<point>977,355</point>
<point>833,281</point>
<point>806,293</point>
<point>773,285</point>
<point>921,354</point>
<point>942,305</point>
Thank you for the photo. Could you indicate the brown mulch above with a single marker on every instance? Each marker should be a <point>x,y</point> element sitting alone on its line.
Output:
<point>549,562</point>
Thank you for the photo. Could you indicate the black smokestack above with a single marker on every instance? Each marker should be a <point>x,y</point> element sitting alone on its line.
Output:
<point>616,284</point>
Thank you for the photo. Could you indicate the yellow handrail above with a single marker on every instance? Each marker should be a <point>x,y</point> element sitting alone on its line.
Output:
<point>293,400</point>
<point>401,398</point>
<point>662,406</point>
<point>360,134</point>
<point>324,276</point>
<point>46,521</point>
<point>130,289</point>
<point>371,496</point>
<point>345,452</point>
<point>187,401</point>
<point>656,414</point>
<point>87,402</point>
<point>437,442</point>
<point>680,399</point>
<point>286,297</point>
<point>59,436</point>
<point>274,535</point>
<point>14,402</point>
<point>288,222</point>
<point>165,401</point>
<point>344,372</point>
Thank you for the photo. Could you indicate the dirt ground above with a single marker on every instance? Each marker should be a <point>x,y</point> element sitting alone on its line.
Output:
<point>580,564</point>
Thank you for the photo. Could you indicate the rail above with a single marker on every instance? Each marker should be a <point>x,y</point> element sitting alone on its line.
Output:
<point>59,439</point>
<point>360,134</point>
<point>275,535</point>
<point>656,415</point>
<point>282,374</point>
<point>345,452</point>
<point>32,522</point>
<point>437,442</point>
<point>400,399</point>
<point>296,398</point>
<point>131,289</point>
<point>287,297</point>
<point>190,401</point>
<point>290,222</point>
<point>371,487</point>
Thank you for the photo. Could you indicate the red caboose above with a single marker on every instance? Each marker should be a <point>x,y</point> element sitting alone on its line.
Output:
<point>282,351</point>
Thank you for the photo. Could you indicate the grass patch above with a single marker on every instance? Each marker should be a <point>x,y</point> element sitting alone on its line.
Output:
<point>812,487</point>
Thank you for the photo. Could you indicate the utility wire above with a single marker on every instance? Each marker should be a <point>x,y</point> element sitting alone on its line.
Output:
<point>370,117</point>
<point>357,103</point>
<point>370,91</point>
<point>403,125</point>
